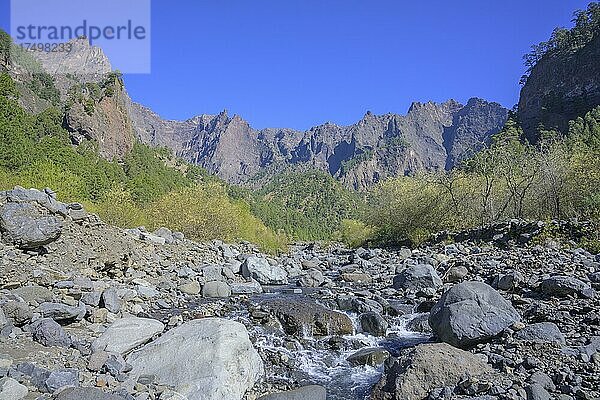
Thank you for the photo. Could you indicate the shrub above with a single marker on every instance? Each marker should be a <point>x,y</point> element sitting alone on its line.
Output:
<point>205,212</point>
<point>354,233</point>
<point>117,207</point>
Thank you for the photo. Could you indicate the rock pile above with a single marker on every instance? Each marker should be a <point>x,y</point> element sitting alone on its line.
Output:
<point>90,311</point>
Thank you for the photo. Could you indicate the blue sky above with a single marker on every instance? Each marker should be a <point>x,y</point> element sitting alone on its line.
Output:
<point>300,63</point>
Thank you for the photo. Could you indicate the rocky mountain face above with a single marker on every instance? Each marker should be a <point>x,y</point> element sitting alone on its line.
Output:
<point>430,137</point>
<point>97,108</point>
<point>108,123</point>
<point>560,88</point>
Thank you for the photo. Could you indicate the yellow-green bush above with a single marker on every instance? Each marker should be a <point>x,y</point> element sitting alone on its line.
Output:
<point>407,208</point>
<point>205,212</point>
<point>42,174</point>
<point>354,233</point>
<point>117,207</point>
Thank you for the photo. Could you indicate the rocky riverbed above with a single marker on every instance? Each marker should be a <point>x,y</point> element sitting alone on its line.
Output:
<point>90,311</point>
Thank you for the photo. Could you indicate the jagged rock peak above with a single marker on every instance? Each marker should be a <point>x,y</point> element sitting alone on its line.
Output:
<point>84,60</point>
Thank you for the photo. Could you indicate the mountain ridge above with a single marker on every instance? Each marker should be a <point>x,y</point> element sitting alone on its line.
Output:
<point>429,137</point>
<point>207,140</point>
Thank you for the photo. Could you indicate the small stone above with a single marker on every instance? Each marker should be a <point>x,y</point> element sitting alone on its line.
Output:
<point>216,289</point>
<point>68,377</point>
<point>10,389</point>
<point>192,288</point>
<point>373,323</point>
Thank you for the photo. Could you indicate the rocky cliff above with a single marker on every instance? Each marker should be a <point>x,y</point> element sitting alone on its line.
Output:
<point>97,102</point>
<point>562,86</point>
<point>430,136</point>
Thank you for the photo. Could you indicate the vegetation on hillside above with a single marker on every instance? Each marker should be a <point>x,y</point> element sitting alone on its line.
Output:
<point>305,205</point>
<point>150,187</point>
<point>586,28</point>
<point>559,178</point>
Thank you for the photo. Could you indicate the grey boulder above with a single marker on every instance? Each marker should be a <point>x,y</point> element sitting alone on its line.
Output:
<point>537,392</point>
<point>428,366</point>
<point>417,277</point>
<point>3,320</point>
<point>302,316</point>
<point>216,289</point>
<point>10,389</point>
<point>311,278</point>
<point>251,287</point>
<point>126,334</point>
<point>372,356</point>
<point>373,323</point>
<point>48,332</point>
<point>111,301</point>
<point>562,286</point>
<point>470,313</point>
<point>265,273</point>
<point>68,377</point>
<point>25,226</point>
<point>542,332</point>
<point>17,311</point>
<point>87,394</point>
<point>203,359</point>
<point>62,312</point>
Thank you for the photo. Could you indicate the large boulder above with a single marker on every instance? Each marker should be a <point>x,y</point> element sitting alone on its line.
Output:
<point>542,332</point>
<point>426,367</point>
<point>203,359</point>
<point>302,316</point>
<point>417,277</point>
<point>62,312</point>
<point>265,273</point>
<point>562,286</point>
<point>45,198</point>
<point>126,334</point>
<point>471,313</point>
<point>48,332</point>
<point>25,226</point>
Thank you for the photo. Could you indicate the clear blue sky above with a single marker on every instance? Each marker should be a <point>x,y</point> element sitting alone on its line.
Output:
<point>284,63</point>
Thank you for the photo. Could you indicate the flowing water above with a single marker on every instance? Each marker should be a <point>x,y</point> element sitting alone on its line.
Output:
<point>311,360</point>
